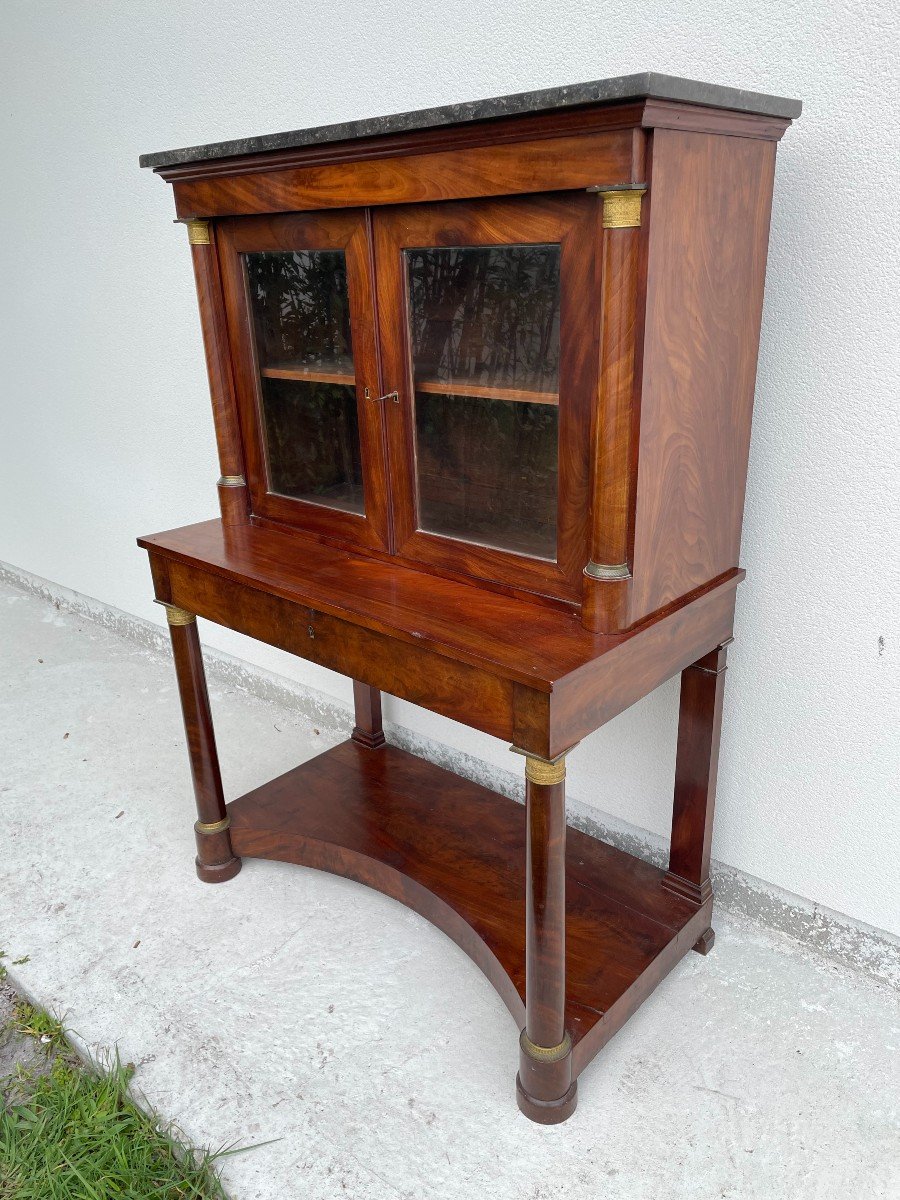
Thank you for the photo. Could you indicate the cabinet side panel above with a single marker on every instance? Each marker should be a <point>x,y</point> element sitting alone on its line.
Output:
<point>706,271</point>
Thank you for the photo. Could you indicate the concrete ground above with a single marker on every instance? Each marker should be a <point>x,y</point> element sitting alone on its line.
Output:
<point>292,1005</point>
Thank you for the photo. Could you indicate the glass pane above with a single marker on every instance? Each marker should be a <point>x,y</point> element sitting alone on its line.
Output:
<point>487,471</point>
<point>485,342</point>
<point>312,437</point>
<point>301,323</point>
<point>486,315</point>
<point>301,310</point>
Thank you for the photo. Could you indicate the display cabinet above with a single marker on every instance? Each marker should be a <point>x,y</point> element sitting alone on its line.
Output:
<point>482,380</point>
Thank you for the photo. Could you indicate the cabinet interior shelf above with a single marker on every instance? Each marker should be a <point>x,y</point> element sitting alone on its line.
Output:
<point>436,387</point>
<point>308,375</point>
<point>403,826</point>
<point>440,387</point>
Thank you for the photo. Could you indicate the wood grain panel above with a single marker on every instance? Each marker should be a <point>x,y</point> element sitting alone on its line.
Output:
<point>541,166</point>
<point>462,621</point>
<point>601,689</point>
<point>520,640</point>
<point>495,132</point>
<point>405,827</point>
<point>518,670</point>
<point>707,256</point>
<point>636,116</point>
<point>454,690</point>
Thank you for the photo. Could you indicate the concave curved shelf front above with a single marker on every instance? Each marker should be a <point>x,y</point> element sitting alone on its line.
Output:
<point>455,853</point>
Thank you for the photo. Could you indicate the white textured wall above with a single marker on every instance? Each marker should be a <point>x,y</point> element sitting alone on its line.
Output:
<point>106,431</point>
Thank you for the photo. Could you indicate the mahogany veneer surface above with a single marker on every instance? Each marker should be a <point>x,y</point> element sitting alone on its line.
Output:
<point>387,597</point>
<point>454,852</point>
<point>529,641</point>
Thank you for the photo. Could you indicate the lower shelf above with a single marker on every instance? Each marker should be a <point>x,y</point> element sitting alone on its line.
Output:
<point>455,852</point>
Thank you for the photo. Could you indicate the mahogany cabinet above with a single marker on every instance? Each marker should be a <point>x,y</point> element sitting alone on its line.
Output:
<point>482,379</point>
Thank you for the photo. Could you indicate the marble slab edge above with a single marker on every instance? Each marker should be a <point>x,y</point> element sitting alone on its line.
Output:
<point>646,85</point>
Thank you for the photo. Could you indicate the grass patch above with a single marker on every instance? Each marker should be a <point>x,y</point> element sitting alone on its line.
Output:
<point>78,1136</point>
<point>35,1023</point>
<point>72,1132</point>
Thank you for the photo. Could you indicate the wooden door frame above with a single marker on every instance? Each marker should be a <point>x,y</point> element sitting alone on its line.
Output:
<point>565,218</point>
<point>346,230</point>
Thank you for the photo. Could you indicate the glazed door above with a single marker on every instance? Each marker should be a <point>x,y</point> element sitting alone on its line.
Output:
<point>488,337</point>
<point>300,310</point>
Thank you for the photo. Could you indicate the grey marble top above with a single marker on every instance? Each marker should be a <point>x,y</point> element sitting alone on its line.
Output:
<point>625,87</point>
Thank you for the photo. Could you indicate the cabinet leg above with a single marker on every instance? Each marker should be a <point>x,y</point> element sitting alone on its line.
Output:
<point>696,763</point>
<point>545,1089</point>
<point>705,942</point>
<point>367,705</point>
<point>216,861</point>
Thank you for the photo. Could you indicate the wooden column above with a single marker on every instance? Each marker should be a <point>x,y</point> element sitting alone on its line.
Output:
<point>216,861</point>
<point>607,583</point>
<point>234,496</point>
<point>696,764</point>
<point>545,1088</point>
<point>367,705</point>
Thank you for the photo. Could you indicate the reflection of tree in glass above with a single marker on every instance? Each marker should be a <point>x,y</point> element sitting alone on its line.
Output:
<point>301,310</point>
<point>312,442</point>
<point>487,470</point>
<point>486,315</point>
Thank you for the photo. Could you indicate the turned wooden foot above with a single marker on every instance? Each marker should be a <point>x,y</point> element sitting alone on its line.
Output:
<point>216,862</point>
<point>220,872</point>
<point>545,1089</point>
<point>547,1112</point>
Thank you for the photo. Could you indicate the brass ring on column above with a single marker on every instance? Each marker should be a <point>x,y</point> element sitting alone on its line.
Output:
<point>545,1054</point>
<point>208,827</point>
<point>544,773</point>
<point>178,616</point>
